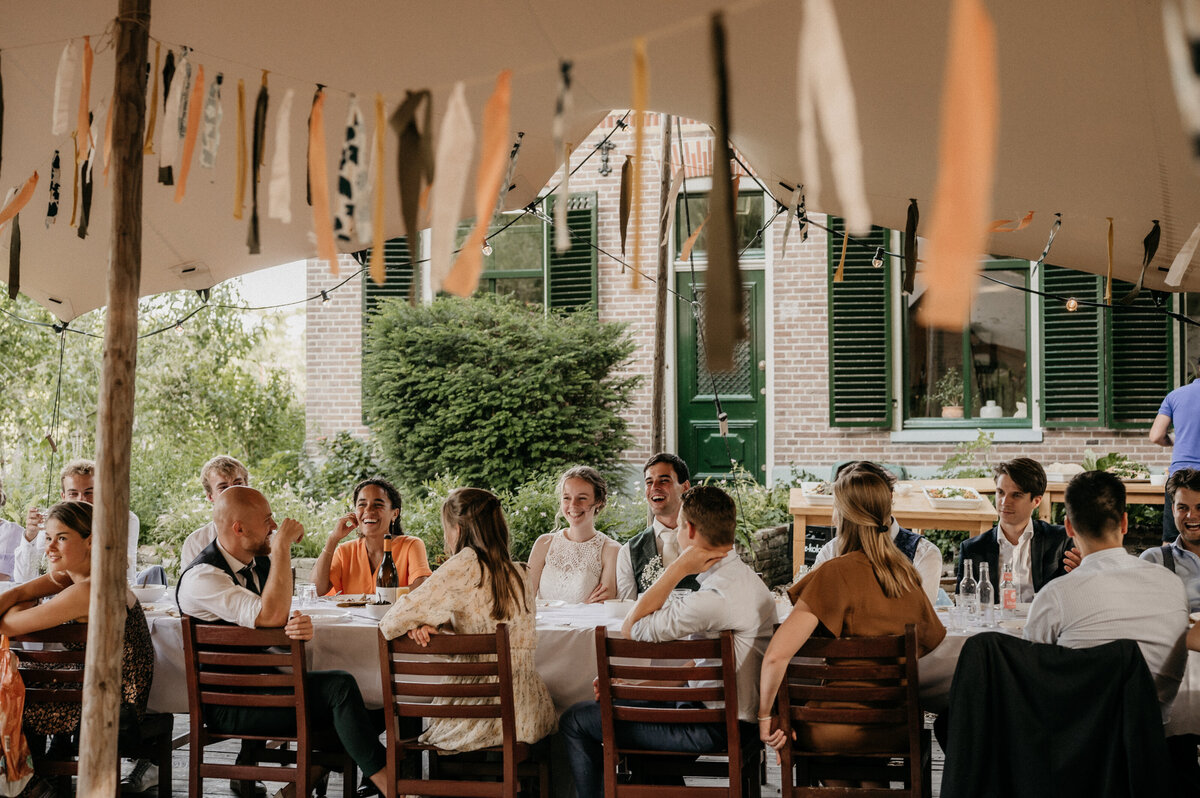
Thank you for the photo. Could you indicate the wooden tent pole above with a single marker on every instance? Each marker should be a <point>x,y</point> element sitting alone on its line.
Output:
<point>658,387</point>
<point>98,764</point>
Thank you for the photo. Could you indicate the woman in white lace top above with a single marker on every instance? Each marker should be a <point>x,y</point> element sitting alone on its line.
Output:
<point>576,564</point>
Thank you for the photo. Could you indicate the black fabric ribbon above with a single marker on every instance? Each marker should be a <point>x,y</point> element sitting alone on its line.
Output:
<point>910,246</point>
<point>260,138</point>
<point>14,258</point>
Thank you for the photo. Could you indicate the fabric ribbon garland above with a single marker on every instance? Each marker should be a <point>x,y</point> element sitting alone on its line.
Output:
<point>19,200</point>
<point>319,182</point>
<point>55,188</point>
<point>1049,241</point>
<point>464,277</point>
<point>210,134</point>
<point>667,220</point>
<point>826,95</point>
<point>802,217</point>
<point>456,140</point>
<point>512,170</point>
<point>793,209</point>
<point>414,158</point>
<point>724,310</point>
<point>169,143</point>
<point>351,184</point>
<point>106,158</point>
<point>362,188</point>
<point>641,81</point>
<point>152,103</point>
<point>1108,283</point>
<point>86,185</point>
<point>1179,266</point>
<point>562,110</point>
<point>279,193</point>
<point>83,122</point>
<point>910,246</point>
<point>1011,225</point>
<point>193,129</point>
<point>967,159</point>
<point>14,258</point>
<point>68,61</point>
<point>626,201</point>
<point>377,264</point>
<point>239,183</point>
<point>256,163</point>
<point>839,276</point>
<point>1149,249</point>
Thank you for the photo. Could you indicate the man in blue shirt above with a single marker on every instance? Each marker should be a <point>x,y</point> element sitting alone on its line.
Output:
<point>1182,555</point>
<point>1180,409</point>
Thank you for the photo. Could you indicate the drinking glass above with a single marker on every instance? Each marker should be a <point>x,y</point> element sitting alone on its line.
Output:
<point>307,593</point>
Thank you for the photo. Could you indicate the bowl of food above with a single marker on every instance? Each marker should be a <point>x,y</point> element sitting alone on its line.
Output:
<point>818,492</point>
<point>148,594</point>
<point>952,497</point>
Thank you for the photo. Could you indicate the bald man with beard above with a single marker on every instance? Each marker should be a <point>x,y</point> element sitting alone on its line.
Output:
<point>244,577</point>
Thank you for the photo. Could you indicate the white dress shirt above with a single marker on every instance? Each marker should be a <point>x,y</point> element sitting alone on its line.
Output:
<point>1113,595</point>
<point>1020,556</point>
<point>626,582</point>
<point>196,543</point>
<point>11,535</point>
<point>29,553</point>
<point>927,560</point>
<point>731,596</point>
<point>207,593</point>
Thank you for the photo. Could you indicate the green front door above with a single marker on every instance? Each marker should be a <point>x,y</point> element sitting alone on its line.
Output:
<point>742,391</point>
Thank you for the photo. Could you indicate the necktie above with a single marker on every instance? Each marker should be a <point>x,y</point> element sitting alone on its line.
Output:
<point>670,548</point>
<point>247,575</point>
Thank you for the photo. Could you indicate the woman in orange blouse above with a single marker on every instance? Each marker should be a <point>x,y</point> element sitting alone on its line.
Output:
<point>351,568</point>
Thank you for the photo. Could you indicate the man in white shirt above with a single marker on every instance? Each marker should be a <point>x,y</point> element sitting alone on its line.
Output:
<point>217,475</point>
<point>644,556</point>
<point>1112,595</point>
<point>925,556</point>
<point>76,485</point>
<point>730,596</point>
<point>10,537</point>
<point>244,577</point>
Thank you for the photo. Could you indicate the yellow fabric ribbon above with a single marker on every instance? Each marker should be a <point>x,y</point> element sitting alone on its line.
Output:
<point>152,118</point>
<point>378,266</point>
<point>319,173</point>
<point>493,156</point>
<point>83,124</point>
<point>239,185</point>
<point>641,80</point>
<point>195,111</point>
<point>1108,284</point>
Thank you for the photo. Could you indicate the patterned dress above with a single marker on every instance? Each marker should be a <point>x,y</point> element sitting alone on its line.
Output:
<point>460,594</point>
<point>137,669</point>
<point>572,569</point>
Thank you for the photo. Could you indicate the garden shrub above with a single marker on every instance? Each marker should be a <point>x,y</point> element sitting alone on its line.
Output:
<point>493,391</point>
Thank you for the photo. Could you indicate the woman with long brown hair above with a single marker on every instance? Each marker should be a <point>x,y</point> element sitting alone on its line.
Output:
<point>478,587</point>
<point>870,589</point>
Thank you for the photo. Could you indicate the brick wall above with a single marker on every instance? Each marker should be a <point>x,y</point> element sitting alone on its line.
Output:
<point>798,404</point>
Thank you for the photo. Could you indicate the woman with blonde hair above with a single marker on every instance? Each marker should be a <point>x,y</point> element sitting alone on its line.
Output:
<point>578,564</point>
<point>478,587</point>
<point>870,589</point>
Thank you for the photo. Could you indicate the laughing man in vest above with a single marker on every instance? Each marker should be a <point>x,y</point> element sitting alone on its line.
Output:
<point>647,554</point>
<point>244,577</point>
<point>922,552</point>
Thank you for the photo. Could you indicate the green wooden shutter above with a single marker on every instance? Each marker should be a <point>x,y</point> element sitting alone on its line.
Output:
<point>571,275</point>
<point>1140,357</point>
<point>860,389</point>
<point>1072,350</point>
<point>399,276</point>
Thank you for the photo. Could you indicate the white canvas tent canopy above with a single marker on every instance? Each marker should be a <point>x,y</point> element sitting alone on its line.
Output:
<point>1089,125</point>
<point>1089,128</point>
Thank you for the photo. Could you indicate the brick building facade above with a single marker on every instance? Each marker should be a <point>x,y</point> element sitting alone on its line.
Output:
<point>796,330</point>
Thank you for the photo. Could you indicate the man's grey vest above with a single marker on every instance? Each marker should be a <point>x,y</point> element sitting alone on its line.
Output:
<point>643,549</point>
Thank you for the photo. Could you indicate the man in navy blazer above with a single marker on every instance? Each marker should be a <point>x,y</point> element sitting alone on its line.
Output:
<point>1036,549</point>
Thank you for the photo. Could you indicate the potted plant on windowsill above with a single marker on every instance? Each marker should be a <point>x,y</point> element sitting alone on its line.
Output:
<point>948,392</point>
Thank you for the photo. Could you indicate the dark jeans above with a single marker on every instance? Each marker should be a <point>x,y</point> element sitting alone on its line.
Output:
<point>580,727</point>
<point>334,702</point>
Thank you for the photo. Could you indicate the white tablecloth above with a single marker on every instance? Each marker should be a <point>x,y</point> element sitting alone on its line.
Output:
<point>566,654</point>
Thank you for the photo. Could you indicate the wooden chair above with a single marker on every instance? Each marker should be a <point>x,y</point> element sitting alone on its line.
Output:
<point>46,682</point>
<point>672,661</point>
<point>884,673</point>
<point>232,666</point>
<point>408,689</point>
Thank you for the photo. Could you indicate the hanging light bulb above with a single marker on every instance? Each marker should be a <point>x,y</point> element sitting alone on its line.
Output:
<point>1072,305</point>
<point>179,327</point>
<point>324,297</point>
<point>877,260</point>
<point>487,248</point>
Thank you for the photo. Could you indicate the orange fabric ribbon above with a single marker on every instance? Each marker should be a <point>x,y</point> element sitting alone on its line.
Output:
<point>322,218</point>
<point>967,159</point>
<point>840,275</point>
<point>378,267</point>
<point>1007,226</point>
<point>493,160</point>
<point>83,124</point>
<point>195,111</point>
<point>20,200</point>
<point>239,183</point>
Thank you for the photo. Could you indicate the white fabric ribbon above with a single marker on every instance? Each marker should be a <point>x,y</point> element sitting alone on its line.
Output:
<point>168,152</point>
<point>68,65</point>
<point>452,165</point>
<point>210,132</point>
<point>279,194</point>
<point>351,176</point>
<point>1182,260</point>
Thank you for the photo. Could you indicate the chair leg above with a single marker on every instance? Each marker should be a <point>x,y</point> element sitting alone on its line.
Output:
<point>195,757</point>
<point>163,755</point>
<point>350,779</point>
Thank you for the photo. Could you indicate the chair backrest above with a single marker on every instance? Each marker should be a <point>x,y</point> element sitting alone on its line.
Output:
<point>878,675</point>
<point>412,679</point>
<point>709,664</point>
<point>55,674</point>
<point>232,666</point>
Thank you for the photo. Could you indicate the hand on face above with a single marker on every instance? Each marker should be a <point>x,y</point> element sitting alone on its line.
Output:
<point>286,535</point>
<point>343,527</point>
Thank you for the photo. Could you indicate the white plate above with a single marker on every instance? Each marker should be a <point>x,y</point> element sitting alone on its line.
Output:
<point>325,617</point>
<point>952,504</point>
<point>815,498</point>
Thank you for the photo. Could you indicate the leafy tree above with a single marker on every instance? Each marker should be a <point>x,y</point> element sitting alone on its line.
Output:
<point>494,391</point>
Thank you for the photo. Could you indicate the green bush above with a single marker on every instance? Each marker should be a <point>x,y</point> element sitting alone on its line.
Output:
<point>492,391</point>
